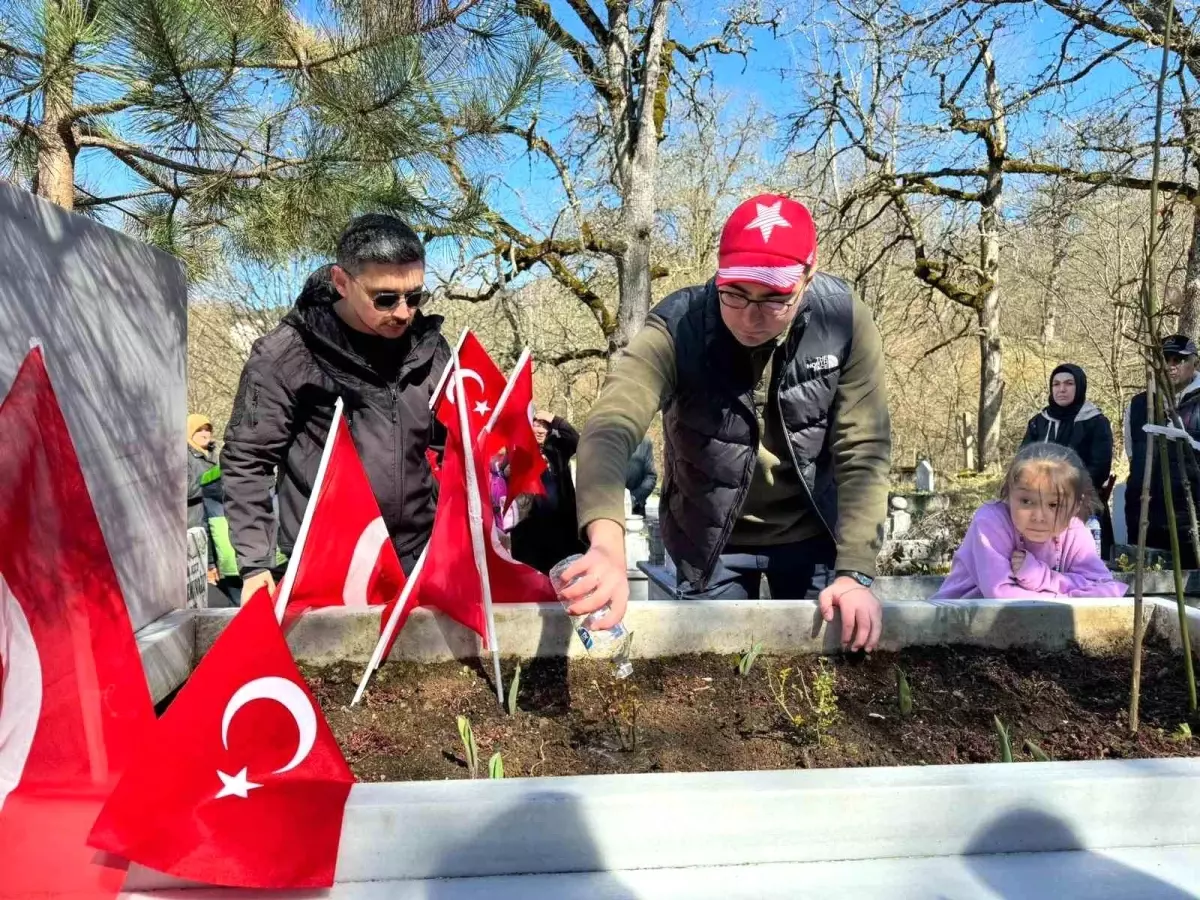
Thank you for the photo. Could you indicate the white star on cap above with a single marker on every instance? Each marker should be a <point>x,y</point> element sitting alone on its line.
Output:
<point>767,219</point>
<point>482,408</point>
<point>235,785</point>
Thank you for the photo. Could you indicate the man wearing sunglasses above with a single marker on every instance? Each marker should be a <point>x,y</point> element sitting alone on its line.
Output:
<point>357,331</point>
<point>778,441</point>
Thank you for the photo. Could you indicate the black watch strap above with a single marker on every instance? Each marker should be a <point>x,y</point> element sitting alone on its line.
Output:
<point>865,580</point>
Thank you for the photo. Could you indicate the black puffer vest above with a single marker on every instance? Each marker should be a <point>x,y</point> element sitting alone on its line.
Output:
<point>710,425</point>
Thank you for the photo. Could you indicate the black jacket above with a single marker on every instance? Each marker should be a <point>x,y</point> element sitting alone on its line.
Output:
<point>1090,435</point>
<point>549,532</point>
<point>284,408</point>
<point>1188,405</point>
<point>710,427</point>
<point>641,476</point>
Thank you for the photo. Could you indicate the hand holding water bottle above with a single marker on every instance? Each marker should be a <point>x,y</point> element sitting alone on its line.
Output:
<point>599,578</point>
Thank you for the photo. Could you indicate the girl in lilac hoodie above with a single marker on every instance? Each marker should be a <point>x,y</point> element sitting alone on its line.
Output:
<point>1032,543</point>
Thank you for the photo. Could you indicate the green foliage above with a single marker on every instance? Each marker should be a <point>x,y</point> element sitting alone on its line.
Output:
<point>1183,733</point>
<point>496,766</point>
<point>820,703</point>
<point>513,687</point>
<point>903,693</point>
<point>1036,752</point>
<point>260,128</point>
<point>1004,740</point>
<point>746,660</point>
<point>470,749</point>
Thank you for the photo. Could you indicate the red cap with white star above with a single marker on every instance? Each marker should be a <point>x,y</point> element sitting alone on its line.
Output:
<point>769,240</point>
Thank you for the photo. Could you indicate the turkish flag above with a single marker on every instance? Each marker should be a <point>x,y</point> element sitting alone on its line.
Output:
<point>483,383</point>
<point>512,431</point>
<point>73,698</point>
<point>348,558</point>
<point>241,782</point>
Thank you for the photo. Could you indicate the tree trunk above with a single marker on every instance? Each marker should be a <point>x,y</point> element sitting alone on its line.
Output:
<point>1190,303</point>
<point>55,179</point>
<point>637,165</point>
<point>991,372</point>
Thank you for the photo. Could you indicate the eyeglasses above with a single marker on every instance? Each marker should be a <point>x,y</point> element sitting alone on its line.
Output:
<point>774,305</point>
<point>388,300</point>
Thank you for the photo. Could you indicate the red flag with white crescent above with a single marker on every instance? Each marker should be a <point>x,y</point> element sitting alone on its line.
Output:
<point>348,558</point>
<point>241,782</point>
<point>512,432</point>
<point>74,704</point>
<point>483,383</point>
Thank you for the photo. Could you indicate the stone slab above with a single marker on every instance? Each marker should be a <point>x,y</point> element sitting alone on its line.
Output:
<point>167,647</point>
<point>542,630</point>
<point>111,314</point>
<point>613,823</point>
<point>1136,873</point>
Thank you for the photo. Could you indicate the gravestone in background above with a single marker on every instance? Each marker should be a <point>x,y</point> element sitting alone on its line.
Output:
<point>111,314</point>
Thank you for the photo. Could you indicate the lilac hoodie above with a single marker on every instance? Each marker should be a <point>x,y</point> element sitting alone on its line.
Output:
<point>1066,566</point>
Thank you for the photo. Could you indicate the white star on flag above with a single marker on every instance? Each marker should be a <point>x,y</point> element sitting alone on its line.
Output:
<point>236,785</point>
<point>482,408</point>
<point>768,218</point>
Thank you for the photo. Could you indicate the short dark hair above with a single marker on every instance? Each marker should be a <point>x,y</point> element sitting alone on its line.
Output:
<point>378,238</point>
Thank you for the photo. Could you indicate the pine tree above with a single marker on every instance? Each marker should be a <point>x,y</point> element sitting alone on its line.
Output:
<point>248,124</point>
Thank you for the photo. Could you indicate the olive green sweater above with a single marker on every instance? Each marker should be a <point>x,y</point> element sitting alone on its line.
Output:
<point>776,510</point>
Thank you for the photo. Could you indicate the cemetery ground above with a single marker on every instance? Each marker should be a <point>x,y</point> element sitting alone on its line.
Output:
<point>696,713</point>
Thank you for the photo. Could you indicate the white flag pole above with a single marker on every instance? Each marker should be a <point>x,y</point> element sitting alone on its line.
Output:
<point>475,518</point>
<point>389,629</point>
<point>437,391</point>
<point>289,575</point>
<point>508,389</point>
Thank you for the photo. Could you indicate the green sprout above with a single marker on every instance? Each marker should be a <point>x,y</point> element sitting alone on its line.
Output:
<point>903,693</point>
<point>470,748</point>
<point>746,660</point>
<point>496,766</point>
<point>1003,738</point>
<point>513,687</point>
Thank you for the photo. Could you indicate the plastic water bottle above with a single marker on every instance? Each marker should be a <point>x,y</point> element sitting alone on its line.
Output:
<point>1093,525</point>
<point>611,642</point>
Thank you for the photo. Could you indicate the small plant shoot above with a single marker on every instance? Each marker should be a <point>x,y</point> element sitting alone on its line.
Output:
<point>1004,740</point>
<point>470,749</point>
<point>513,687</point>
<point>746,661</point>
<point>903,693</point>
<point>496,766</point>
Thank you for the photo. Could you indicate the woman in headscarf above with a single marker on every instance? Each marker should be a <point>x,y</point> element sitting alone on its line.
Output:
<point>1074,421</point>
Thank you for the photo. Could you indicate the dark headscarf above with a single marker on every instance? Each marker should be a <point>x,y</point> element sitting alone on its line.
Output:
<point>1065,414</point>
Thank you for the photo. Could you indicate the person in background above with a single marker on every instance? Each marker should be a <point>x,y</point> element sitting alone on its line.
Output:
<point>1180,353</point>
<point>547,531</point>
<point>356,332</point>
<point>206,507</point>
<point>775,419</point>
<point>1032,542</point>
<point>1074,421</point>
<point>641,476</point>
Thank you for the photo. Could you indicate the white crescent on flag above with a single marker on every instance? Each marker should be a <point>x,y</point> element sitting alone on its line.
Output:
<point>467,374</point>
<point>20,691</point>
<point>287,694</point>
<point>362,563</point>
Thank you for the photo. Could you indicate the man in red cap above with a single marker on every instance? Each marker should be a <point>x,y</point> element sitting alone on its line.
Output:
<point>778,440</point>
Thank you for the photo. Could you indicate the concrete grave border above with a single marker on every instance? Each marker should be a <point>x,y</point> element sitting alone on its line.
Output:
<point>1128,825</point>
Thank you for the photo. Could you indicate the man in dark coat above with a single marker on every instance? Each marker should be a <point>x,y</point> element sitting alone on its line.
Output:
<point>641,476</point>
<point>1180,353</point>
<point>356,332</point>
<point>547,532</point>
<point>770,379</point>
<point>1074,421</point>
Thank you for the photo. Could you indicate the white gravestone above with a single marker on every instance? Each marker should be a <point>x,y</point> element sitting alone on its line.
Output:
<point>925,476</point>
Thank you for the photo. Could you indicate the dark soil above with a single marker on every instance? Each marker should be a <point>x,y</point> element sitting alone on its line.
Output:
<point>696,713</point>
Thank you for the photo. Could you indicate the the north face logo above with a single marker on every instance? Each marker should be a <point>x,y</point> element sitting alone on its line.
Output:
<point>821,364</point>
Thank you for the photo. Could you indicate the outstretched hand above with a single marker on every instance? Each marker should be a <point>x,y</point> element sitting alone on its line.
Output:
<point>862,614</point>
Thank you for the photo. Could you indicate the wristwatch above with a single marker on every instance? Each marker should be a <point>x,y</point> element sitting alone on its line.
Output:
<point>865,580</point>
